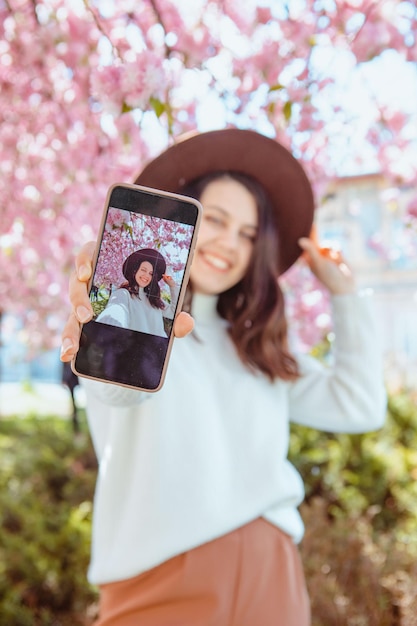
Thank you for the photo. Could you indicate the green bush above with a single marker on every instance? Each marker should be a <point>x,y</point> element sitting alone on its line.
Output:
<point>360,547</point>
<point>46,484</point>
<point>99,303</point>
<point>356,577</point>
<point>356,472</point>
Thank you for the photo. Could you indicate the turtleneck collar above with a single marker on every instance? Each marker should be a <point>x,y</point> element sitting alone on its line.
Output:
<point>204,307</point>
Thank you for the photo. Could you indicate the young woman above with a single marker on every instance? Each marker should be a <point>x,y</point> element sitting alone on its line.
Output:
<point>137,304</point>
<point>196,518</point>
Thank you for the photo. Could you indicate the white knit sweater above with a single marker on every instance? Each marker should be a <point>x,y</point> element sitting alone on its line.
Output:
<point>208,452</point>
<point>136,312</point>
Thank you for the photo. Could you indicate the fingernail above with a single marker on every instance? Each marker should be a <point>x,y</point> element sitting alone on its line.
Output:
<point>66,347</point>
<point>83,272</point>
<point>83,314</point>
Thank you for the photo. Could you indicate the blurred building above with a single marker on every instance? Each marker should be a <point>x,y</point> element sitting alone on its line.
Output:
<point>367,218</point>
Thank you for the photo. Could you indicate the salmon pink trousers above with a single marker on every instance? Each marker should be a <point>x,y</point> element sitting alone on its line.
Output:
<point>249,577</point>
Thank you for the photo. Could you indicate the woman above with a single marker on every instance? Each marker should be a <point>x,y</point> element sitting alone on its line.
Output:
<point>137,304</point>
<point>196,518</point>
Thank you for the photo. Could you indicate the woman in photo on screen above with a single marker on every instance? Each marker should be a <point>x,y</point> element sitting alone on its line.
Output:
<point>137,303</point>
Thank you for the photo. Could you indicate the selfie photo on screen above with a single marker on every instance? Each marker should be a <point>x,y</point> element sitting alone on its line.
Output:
<point>139,272</point>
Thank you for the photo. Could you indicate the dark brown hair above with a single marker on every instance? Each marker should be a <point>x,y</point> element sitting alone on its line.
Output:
<point>255,306</point>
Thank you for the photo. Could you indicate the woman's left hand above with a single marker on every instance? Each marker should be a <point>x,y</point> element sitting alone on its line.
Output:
<point>329,267</point>
<point>169,280</point>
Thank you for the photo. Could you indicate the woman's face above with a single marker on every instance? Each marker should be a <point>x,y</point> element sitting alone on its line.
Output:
<point>226,237</point>
<point>144,274</point>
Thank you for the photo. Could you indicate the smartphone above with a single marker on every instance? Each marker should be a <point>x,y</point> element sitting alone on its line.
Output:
<point>140,273</point>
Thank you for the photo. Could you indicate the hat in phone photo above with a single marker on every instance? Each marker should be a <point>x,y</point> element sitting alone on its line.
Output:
<point>134,260</point>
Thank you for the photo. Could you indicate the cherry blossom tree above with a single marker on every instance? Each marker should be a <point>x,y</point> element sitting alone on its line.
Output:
<point>127,232</point>
<point>92,89</point>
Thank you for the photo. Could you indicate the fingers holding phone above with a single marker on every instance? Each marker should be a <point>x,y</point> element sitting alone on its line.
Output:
<point>79,283</point>
<point>81,306</point>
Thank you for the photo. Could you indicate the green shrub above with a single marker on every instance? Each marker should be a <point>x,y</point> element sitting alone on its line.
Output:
<point>356,472</point>
<point>360,546</point>
<point>46,484</point>
<point>356,577</point>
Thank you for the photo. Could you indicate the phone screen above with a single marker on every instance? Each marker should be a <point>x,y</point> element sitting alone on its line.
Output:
<point>139,279</point>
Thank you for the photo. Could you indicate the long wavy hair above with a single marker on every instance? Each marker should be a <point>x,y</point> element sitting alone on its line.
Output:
<point>131,266</point>
<point>255,307</point>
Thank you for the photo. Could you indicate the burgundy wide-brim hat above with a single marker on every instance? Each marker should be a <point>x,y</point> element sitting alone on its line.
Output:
<point>249,152</point>
<point>134,260</point>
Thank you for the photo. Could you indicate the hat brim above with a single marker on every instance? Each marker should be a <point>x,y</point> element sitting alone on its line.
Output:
<point>249,152</point>
<point>135,259</point>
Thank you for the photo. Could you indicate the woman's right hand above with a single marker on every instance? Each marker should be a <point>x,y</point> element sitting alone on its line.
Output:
<point>82,311</point>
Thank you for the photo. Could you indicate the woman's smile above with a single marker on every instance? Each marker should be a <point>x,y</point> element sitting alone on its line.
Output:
<point>215,261</point>
<point>144,274</point>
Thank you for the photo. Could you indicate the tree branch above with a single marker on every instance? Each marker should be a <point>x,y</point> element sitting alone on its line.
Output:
<point>100,27</point>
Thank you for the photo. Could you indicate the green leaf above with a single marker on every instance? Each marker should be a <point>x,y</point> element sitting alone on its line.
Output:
<point>287,110</point>
<point>126,108</point>
<point>158,106</point>
<point>276,87</point>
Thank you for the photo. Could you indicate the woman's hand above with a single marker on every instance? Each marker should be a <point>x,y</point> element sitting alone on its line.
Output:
<point>329,267</point>
<point>82,311</point>
<point>169,280</point>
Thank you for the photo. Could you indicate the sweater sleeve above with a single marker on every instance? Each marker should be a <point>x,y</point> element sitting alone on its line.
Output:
<point>350,395</point>
<point>102,399</point>
<point>169,311</point>
<point>116,312</point>
<point>113,395</point>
